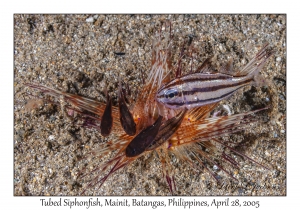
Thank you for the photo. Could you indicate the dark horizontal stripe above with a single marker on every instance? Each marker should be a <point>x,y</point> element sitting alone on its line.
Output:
<point>183,80</point>
<point>178,94</point>
<point>170,84</point>
<point>214,88</point>
<point>203,79</point>
<point>202,101</point>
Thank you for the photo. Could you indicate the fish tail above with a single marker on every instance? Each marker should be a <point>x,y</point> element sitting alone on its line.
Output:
<point>259,80</point>
<point>253,68</point>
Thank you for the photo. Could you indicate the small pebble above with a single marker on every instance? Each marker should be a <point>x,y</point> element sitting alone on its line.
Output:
<point>90,19</point>
<point>51,137</point>
<point>281,97</point>
<point>241,191</point>
<point>215,167</point>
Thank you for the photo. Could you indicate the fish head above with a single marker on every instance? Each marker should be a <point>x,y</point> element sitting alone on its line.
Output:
<point>169,97</point>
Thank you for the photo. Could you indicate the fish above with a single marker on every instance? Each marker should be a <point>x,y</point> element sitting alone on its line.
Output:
<point>126,118</point>
<point>199,89</point>
<point>144,139</point>
<point>107,119</point>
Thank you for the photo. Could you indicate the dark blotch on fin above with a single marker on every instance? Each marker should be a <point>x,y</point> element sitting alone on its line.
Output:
<point>139,144</point>
<point>107,119</point>
<point>126,117</point>
<point>167,129</point>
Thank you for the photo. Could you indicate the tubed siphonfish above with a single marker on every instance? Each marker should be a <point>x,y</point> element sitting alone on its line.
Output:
<point>199,89</point>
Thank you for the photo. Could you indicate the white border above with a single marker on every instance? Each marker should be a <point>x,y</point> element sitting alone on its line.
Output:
<point>8,201</point>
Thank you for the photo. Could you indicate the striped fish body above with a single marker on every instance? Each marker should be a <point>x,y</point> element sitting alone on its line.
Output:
<point>200,89</point>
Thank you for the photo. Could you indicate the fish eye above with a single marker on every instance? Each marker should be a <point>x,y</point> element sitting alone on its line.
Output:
<point>171,93</point>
